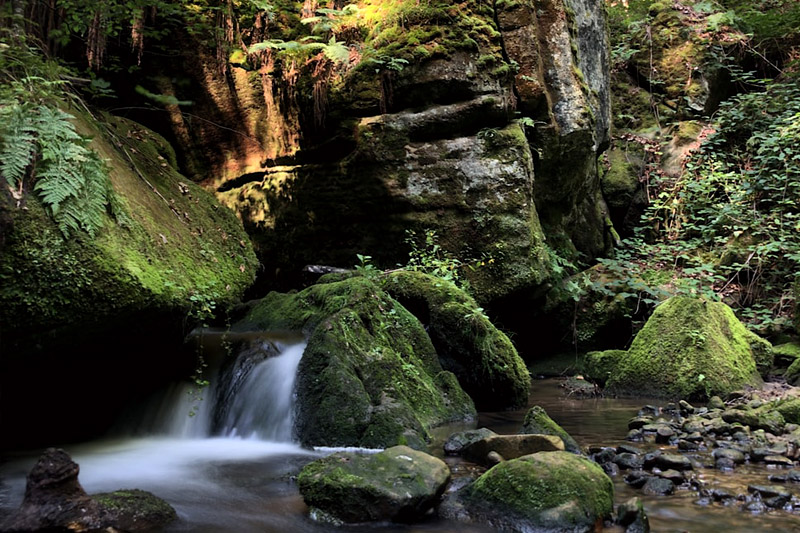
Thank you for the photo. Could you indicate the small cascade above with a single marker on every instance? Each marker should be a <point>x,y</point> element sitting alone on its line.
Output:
<point>250,397</point>
<point>263,406</point>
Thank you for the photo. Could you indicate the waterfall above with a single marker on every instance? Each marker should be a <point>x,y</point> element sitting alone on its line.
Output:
<point>250,397</point>
<point>263,407</point>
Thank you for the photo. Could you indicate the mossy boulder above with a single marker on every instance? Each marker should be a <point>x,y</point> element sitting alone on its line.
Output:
<point>369,375</point>
<point>135,510</point>
<point>398,484</point>
<point>789,409</point>
<point>174,249</point>
<point>537,421</point>
<point>599,366</point>
<point>482,357</point>
<point>546,491</point>
<point>788,355</point>
<point>690,348</point>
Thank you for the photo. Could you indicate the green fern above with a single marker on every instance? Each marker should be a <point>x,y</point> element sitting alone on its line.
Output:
<point>41,144</point>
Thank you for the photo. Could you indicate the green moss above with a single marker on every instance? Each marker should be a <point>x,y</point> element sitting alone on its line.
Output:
<point>369,375</point>
<point>789,410</point>
<point>176,243</point>
<point>546,490</point>
<point>689,348</point>
<point>467,343</point>
<point>621,179</point>
<point>600,366</point>
<point>135,510</point>
<point>538,422</point>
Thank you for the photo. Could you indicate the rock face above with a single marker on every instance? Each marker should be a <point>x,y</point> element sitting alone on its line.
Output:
<point>397,484</point>
<point>689,348</point>
<point>369,375</point>
<point>127,290</point>
<point>467,343</point>
<point>417,131</point>
<point>547,491</point>
<point>55,501</point>
<point>537,421</point>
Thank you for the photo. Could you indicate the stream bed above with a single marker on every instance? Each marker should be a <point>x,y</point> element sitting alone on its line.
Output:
<point>246,484</point>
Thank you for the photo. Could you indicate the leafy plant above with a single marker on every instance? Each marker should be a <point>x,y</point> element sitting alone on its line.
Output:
<point>39,145</point>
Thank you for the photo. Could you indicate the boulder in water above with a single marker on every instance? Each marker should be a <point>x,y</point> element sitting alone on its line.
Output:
<point>369,376</point>
<point>511,446</point>
<point>546,491</point>
<point>689,348</point>
<point>458,442</point>
<point>397,484</point>
<point>55,500</point>
<point>537,421</point>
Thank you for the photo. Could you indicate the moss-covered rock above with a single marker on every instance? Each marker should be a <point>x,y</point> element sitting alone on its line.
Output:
<point>135,510</point>
<point>547,491</point>
<point>766,419</point>
<point>369,376</point>
<point>468,344</point>
<point>174,249</point>
<point>789,409</point>
<point>689,348</point>
<point>396,484</point>
<point>788,356</point>
<point>599,366</point>
<point>537,421</point>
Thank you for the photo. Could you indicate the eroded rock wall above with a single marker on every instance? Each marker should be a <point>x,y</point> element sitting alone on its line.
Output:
<point>491,142</point>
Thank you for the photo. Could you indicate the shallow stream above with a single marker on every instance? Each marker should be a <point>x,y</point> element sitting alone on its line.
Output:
<point>243,481</point>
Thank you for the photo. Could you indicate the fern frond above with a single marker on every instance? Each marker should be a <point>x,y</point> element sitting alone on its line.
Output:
<point>17,143</point>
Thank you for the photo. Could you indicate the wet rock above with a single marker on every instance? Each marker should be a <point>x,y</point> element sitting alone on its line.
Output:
<point>664,434</point>
<point>693,426</point>
<point>635,435</point>
<point>735,456</point>
<point>628,461</point>
<point>761,453</point>
<point>55,501</point>
<point>631,516</point>
<point>725,464</point>
<point>627,448</point>
<point>657,486</point>
<point>777,502</point>
<point>695,436</point>
<point>673,475</point>
<point>715,402</point>
<point>755,507</point>
<point>721,495</point>
<point>651,411</point>
<point>538,422</point>
<point>457,442</point>
<point>563,492</point>
<point>771,421</point>
<point>673,461</point>
<point>639,422</point>
<point>493,458</point>
<point>650,459</point>
<point>688,446</point>
<point>637,478</point>
<point>611,469</point>
<point>685,408</point>
<point>769,491</point>
<point>512,446</point>
<point>397,484</point>
<point>793,476</point>
<point>778,460</point>
<point>604,455</point>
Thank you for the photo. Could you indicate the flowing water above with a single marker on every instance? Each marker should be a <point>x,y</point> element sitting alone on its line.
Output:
<point>230,465</point>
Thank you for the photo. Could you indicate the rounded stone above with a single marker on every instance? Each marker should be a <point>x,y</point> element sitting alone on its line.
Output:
<point>398,484</point>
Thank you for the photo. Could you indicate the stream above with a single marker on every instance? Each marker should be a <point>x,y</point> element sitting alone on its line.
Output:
<point>235,472</point>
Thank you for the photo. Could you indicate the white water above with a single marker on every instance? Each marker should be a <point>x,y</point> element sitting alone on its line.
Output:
<point>198,473</point>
